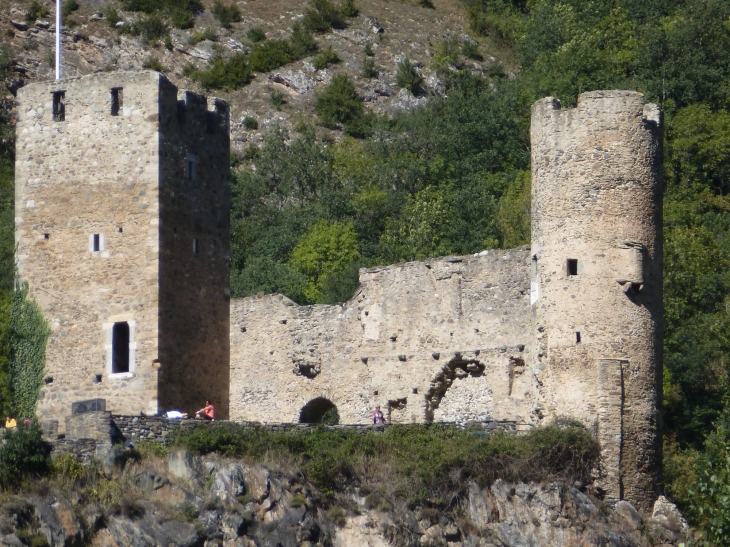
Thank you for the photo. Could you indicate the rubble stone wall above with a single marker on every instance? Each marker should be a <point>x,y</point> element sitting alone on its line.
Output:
<point>441,340</point>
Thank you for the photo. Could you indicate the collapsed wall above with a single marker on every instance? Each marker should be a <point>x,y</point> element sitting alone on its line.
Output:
<point>440,340</point>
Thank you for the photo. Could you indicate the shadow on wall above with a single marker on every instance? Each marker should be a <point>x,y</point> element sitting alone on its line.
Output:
<point>319,411</point>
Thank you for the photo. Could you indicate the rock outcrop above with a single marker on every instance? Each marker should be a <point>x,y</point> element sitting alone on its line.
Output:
<point>186,500</point>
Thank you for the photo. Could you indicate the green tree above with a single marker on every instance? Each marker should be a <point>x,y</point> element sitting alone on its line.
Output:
<point>513,218</point>
<point>327,249</point>
<point>28,335</point>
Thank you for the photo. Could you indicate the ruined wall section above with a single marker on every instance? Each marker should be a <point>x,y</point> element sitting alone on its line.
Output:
<point>194,251</point>
<point>596,276</point>
<point>444,339</point>
<point>93,173</point>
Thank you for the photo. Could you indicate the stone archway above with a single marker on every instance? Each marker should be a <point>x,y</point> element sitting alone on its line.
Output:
<point>319,410</point>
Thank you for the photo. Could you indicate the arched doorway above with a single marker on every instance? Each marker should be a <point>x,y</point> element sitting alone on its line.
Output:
<point>319,411</point>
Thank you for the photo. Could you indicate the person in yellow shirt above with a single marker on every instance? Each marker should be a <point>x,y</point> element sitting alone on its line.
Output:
<point>10,422</point>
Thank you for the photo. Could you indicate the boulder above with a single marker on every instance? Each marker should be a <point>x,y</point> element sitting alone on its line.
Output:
<point>228,483</point>
<point>184,465</point>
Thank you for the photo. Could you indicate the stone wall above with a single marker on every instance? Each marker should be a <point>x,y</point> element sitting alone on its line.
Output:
<point>597,277</point>
<point>440,340</point>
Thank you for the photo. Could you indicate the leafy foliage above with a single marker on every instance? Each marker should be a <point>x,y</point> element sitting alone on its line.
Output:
<point>227,74</point>
<point>256,34</point>
<point>429,462</point>
<point>179,12</point>
<point>36,11</point>
<point>408,77</point>
<point>227,14</point>
<point>28,334</point>
<point>23,455</point>
<point>322,16</point>
<point>69,6</point>
<point>338,102</point>
<point>325,58</point>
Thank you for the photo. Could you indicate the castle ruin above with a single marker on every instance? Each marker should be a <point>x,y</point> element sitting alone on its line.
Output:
<point>123,235</point>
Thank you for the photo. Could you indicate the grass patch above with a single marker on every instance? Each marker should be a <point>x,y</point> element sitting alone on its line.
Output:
<point>153,63</point>
<point>422,463</point>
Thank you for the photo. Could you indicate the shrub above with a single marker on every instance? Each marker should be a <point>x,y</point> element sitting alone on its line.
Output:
<point>24,455</point>
<point>408,77</point>
<point>36,10</point>
<point>250,123</point>
<point>369,50</point>
<point>325,58</point>
<point>69,6</point>
<point>256,34</point>
<point>426,4</point>
<point>338,516</point>
<point>152,63</point>
<point>470,50</point>
<point>112,17</point>
<point>180,12</point>
<point>151,28</point>
<point>368,68</point>
<point>277,99</point>
<point>270,55</point>
<point>339,102</point>
<point>206,34</point>
<point>322,16</point>
<point>302,41</point>
<point>228,74</point>
<point>349,9</point>
<point>226,14</point>
<point>67,467</point>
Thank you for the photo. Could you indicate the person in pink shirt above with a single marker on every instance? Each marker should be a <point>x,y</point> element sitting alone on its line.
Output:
<point>207,412</point>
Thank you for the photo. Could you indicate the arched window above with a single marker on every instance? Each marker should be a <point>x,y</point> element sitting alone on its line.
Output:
<point>319,411</point>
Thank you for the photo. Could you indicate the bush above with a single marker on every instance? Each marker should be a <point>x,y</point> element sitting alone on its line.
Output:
<point>67,467</point>
<point>69,6</point>
<point>180,12</point>
<point>256,34</point>
<point>349,9</point>
<point>277,99</point>
<point>270,55</point>
<point>302,41</point>
<point>228,74</point>
<point>36,10</point>
<point>112,17</point>
<point>426,4</point>
<point>23,456</point>
<point>250,123</point>
<point>322,16</point>
<point>369,50</point>
<point>152,63</point>
<point>339,102</point>
<point>368,68</point>
<point>470,50</point>
<point>206,34</point>
<point>226,14</point>
<point>325,58</point>
<point>151,28</point>
<point>408,77</point>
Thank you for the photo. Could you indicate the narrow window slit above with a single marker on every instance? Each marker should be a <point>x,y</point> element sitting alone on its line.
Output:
<point>195,246</point>
<point>117,100</point>
<point>97,243</point>
<point>577,337</point>
<point>59,106</point>
<point>120,347</point>
<point>572,266</point>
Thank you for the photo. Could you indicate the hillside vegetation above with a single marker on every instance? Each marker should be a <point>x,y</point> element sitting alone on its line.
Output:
<point>350,184</point>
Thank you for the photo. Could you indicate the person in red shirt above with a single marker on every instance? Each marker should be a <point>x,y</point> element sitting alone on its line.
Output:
<point>207,412</point>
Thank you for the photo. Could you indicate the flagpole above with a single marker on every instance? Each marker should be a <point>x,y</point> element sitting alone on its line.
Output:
<point>58,40</point>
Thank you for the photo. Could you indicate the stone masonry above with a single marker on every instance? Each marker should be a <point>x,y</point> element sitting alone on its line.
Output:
<point>122,204</point>
<point>122,231</point>
<point>568,327</point>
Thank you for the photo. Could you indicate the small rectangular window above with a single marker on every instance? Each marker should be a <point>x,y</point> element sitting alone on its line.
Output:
<point>46,236</point>
<point>97,243</point>
<point>195,246</point>
<point>117,100</point>
<point>59,106</point>
<point>572,266</point>
<point>120,347</point>
<point>577,338</point>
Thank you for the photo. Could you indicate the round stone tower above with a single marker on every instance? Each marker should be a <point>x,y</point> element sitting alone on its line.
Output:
<point>597,278</point>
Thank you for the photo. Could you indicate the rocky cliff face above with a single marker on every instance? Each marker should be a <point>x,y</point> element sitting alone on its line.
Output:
<point>393,30</point>
<point>184,500</point>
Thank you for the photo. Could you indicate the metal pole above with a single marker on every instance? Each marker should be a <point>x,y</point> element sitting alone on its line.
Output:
<point>58,40</point>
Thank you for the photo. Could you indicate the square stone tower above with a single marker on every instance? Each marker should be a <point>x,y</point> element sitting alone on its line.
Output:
<point>122,232</point>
